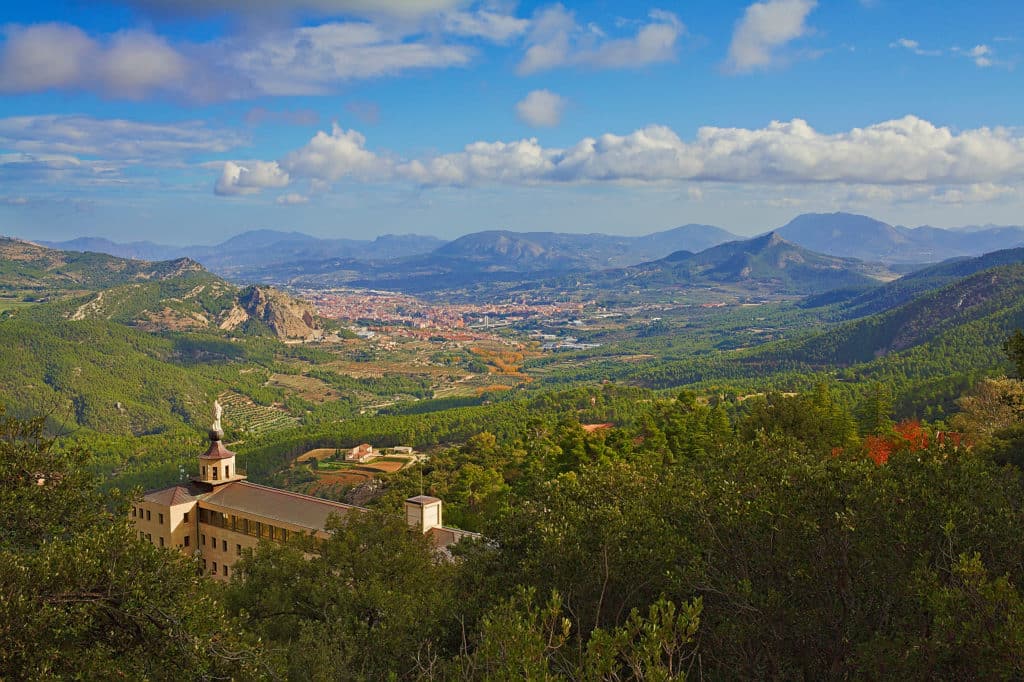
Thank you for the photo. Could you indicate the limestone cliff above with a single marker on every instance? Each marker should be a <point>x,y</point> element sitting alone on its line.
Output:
<point>287,317</point>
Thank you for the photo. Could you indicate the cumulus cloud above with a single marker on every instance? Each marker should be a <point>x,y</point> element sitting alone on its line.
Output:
<point>765,28</point>
<point>909,152</point>
<point>556,40</point>
<point>333,156</point>
<point>249,179</point>
<point>129,64</point>
<point>541,108</point>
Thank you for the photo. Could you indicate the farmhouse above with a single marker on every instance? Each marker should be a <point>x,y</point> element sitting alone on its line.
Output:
<point>218,513</point>
<point>361,453</point>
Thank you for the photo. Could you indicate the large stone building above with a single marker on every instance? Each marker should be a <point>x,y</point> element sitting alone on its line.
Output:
<point>218,513</point>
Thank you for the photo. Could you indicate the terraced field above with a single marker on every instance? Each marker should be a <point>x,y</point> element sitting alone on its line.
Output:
<point>253,419</point>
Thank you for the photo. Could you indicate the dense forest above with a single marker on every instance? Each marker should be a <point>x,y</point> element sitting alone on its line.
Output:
<point>784,537</point>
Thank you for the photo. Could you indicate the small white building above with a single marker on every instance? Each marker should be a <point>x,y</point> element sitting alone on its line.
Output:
<point>361,453</point>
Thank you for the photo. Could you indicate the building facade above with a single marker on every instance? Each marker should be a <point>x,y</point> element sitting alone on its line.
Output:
<point>218,513</point>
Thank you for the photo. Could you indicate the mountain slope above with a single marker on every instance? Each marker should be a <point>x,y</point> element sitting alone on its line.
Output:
<point>909,286</point>
<point>762,262</point>
<point>29,267</point>
<point>990,292</point>
<point>177,295</point>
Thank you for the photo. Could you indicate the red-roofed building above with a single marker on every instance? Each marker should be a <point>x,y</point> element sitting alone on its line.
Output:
<point>218,513</point>
<point>361,453</point>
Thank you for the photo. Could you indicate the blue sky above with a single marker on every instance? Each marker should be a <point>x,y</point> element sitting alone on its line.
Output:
<point>188,121</point>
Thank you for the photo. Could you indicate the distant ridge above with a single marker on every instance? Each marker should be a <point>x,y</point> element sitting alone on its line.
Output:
<point>767,261</point>
<point>858,236</point>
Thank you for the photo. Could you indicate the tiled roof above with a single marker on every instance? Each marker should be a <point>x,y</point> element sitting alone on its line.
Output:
<point>216,451</point>
<point>300,510</point>
<point>169,496</point>
<point>443,538</point>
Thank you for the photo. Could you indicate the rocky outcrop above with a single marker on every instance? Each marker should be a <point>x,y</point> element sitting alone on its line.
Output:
<point>287,317</point>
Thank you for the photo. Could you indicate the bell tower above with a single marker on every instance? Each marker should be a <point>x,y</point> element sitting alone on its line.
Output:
<point>217,464</point>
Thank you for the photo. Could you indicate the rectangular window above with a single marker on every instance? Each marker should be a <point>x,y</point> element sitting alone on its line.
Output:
<point>215,568</point>
<point>227,471</point>
<point>268,531</point>
<point>224,545</point>
<point>161,540</point>
<point>259,529</point>
<point>225,570</point>
<point>161,519</point>
<point>204,471</point>
<point>149,536</point>
<point>142,536</point>
<point>202,516</point>
<point>214,469</point>
<point>149,516</point>
<point>202,538</point>
<point>234,522</point>
<point>213,542</point>
<point>204,564</point>
<point>187,538</point>
<point>135,511</point>
<point>185,518</point>
<point>238,550</point>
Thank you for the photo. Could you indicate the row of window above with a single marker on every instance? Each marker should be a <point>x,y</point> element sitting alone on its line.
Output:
<point>224,568</point>
<point>214,470</point>
<point>224,544</point>
<point>148,537</point>
<point>240,524</point>
<point>140,513</point>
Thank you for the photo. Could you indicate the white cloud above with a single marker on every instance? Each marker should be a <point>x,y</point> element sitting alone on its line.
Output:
<point>556,40</point>
<point>312,60</point>
<point>541,108</point>
<point>981,55</point>
<point>915,47</point>
<point>291,199</point>
<point>333,156</point>
<point>498,28</point>
<point>250,178</point>
<point>308,60</point>
<point>908,154</point>
<point>764,28</point>
<point>129,64</point>
<point>118,139</point>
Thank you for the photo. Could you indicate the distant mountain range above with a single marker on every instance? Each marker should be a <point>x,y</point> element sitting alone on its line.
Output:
<point>279,257</point>
<point>260,248</point>
<point>857,236</point>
